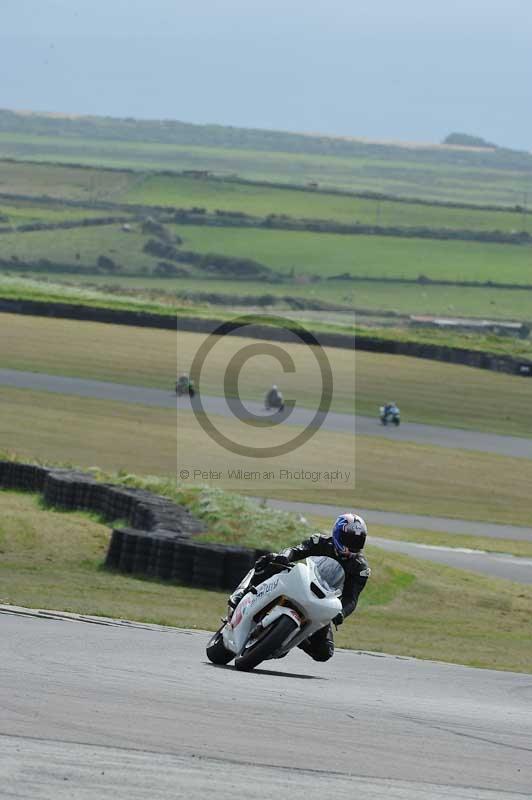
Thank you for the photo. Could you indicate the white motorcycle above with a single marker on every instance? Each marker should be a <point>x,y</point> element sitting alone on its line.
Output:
<point>275,616</point>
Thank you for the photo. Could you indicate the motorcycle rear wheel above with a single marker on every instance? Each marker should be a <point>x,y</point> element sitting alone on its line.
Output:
<point>271,641</point>
<point>217,652</point>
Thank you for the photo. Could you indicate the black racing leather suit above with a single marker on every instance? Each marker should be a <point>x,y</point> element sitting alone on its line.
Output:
<point>320,646</point>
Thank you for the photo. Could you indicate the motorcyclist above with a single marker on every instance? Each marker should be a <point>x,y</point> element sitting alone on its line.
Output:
<point>350,573</point>
<point>184,384</point>
<point>274,398</point>
<point>390,408</point>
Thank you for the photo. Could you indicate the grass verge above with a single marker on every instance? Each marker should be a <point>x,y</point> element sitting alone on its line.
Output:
<point>53,560</point>
<point>386,475</point>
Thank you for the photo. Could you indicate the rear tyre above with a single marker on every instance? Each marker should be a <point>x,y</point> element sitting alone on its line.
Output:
<point>217,652</point>
<point>267,644</point>
<point>397,421</point>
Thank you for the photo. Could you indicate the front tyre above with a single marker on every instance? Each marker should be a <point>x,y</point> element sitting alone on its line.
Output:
<point>271,641</point>
<point>217,652</point>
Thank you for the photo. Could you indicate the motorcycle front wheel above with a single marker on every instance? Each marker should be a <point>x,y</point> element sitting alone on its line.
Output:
<point>268,643</point>
<point>217,652</point>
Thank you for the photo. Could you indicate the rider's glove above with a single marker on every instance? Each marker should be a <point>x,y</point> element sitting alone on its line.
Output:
<point>339,618</point>
<point>281,560</point>
<point>263,562</point>
<point>271,561</point>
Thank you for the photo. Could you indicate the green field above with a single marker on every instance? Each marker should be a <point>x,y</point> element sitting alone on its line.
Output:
<point>147,188</point>
<point>54,560</point>
<point>261,201</point>
<point>79,247</point>
<point>298,256</point>
<point>292,253</point>
<point>70,183</point>
<point>325,254</point>
<point>23,212</point>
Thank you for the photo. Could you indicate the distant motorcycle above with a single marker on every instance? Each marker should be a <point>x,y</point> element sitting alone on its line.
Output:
<point>274,400</point>
<point>279,406</point>
<point>184,387</point>
<point>390,414</point>
<point>275,616</point>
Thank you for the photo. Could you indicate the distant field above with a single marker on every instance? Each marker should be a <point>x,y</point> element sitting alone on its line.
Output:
<point>427,391</point>
<point>263,200</point>
<point>320,254</point>
<point>396,174</point>
<point>21,213</point>
<point>80,247</point>
<point>374,256</point>
<point>68,183</point>
<point>306,253</point>
<point>180,191</point>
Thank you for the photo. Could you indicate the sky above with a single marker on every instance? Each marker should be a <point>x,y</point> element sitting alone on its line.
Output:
<point>408,70</point>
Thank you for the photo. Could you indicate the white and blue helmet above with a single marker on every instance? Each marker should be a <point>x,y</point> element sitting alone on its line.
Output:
<point>349,534</point>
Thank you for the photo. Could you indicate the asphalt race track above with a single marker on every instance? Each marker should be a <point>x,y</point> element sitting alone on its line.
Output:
<point>492,530</point>
<point>115,711</point>
<point>344,423</point>
<point>497,565</point>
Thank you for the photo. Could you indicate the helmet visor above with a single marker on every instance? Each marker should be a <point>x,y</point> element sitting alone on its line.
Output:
<point>353,541</point>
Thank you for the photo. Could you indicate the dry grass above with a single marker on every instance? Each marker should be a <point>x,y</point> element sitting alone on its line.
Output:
<point>388,475</point>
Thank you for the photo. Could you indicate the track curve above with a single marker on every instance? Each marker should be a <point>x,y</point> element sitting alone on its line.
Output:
<point>119,710</point>
<point>433,435</point>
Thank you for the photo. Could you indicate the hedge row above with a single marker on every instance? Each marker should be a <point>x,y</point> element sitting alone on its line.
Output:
<point>224,219</point>
<point>240,219</point>
<point>158,539</point>
<point>86,222</point>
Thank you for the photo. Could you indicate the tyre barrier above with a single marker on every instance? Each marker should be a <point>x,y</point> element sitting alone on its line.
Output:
<point>156,538</point>
<point>448,354</point>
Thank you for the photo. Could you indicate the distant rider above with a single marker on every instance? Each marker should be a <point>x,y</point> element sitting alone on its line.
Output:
<point>390,409</point>
<point>274,398</point>
<point>184,384</point>
<point>340,563</point>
